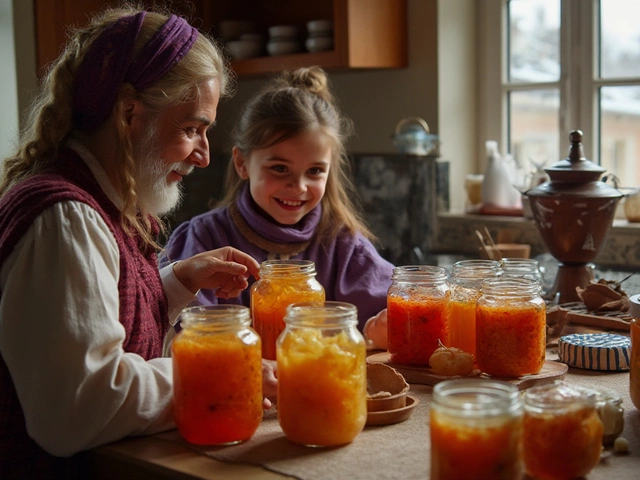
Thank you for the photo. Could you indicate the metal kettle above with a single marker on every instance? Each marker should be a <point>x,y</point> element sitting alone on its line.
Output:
<point>412,137</point>
<point>574,212</point>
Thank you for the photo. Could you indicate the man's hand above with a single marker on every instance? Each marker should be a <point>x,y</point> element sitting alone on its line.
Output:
<point>225,270</point>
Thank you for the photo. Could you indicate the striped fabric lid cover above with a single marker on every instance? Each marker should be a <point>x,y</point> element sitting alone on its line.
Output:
<point>595,351</point>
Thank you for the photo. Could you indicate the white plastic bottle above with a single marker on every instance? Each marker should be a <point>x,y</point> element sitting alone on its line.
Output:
<point>515,196</point>
<point>496,186</point>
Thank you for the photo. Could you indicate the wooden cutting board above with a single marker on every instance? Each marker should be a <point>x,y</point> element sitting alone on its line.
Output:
<point>424,376</point>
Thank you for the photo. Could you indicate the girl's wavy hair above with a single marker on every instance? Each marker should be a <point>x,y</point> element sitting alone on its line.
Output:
<point>296,102</point>
<point>49,122</point>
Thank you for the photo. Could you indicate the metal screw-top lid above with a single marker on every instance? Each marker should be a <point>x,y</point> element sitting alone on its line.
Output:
<point>634,306</point>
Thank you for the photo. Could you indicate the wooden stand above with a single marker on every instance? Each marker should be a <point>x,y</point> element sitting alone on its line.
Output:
<point>568,278</point>
<point>550,372</point>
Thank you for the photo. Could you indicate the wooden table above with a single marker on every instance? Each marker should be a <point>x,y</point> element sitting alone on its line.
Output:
<point>397,451</point>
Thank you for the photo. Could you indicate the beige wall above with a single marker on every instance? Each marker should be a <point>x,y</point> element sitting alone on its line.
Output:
<point>18,75</point>
<point>8,87</point>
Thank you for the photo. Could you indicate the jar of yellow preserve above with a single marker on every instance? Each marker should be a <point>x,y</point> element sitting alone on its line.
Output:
<point>634,373</point>
<point>510,327</point>
<point>282,282</point>
<point>476,428</point>
<point>561,432</point>
<point>322,380</point>
<point>217,375</point>
<point>465,282</point>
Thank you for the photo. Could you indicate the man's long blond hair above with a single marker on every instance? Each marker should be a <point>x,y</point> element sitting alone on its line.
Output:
<point>50,121</point>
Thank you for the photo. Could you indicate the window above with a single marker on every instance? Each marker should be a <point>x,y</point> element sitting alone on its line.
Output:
<point>551,66</point>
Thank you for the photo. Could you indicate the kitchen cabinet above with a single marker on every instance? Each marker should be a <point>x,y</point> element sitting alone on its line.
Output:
<point>368,34</point>
<point>53,17</point>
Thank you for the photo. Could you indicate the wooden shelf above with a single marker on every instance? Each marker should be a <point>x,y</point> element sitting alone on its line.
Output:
<point>329,60</point>
<point>368,34</point>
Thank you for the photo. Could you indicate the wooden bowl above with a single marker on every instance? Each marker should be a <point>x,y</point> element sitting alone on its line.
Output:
<point>389,417</point>
<point>386,388</point>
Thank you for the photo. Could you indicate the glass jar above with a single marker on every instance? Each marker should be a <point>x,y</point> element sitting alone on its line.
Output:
<point>609,406</point>
<point>562,432</point>
<point>322,379</point>
<point>217,375</point>
<point>417,313</point>
<point>632,206</point>
<point>634,369</point>
<point>476,427</point>
<point>510,327</point>
<point>465,282</point>
<point>522,268</point>
<point>282,282</point>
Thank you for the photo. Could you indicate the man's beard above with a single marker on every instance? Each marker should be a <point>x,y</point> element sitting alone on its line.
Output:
<point>155,195</point>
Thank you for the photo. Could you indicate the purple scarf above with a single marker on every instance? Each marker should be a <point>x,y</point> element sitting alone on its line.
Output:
<point>108,64</point>
<point>300,232</point>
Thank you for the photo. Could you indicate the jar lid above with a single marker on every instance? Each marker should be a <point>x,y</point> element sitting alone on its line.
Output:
<point>575,168</point>
<point>606,352</point>
<point>575,177</point>
<point>634,306</point>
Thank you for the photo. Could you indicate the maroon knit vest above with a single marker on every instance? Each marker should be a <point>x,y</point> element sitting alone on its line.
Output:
<point>143,307</point>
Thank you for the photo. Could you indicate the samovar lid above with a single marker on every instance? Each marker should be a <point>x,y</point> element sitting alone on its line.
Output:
<point>575,168</point>
<point>575,176</point>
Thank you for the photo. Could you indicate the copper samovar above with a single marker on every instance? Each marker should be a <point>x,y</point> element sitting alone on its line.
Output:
<point>574,212</point>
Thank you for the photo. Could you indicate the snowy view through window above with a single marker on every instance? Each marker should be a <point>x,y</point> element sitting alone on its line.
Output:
<point>534,81</point>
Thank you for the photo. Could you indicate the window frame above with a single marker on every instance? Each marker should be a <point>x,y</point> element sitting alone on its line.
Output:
<point>579,82</point>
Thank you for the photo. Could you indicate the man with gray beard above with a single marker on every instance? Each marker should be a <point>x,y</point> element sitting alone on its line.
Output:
<point>120,119</point>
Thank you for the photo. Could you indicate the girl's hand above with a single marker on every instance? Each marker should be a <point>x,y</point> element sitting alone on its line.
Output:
<point>225,270</point>
<point>269,383</point>
<point>375,331</point>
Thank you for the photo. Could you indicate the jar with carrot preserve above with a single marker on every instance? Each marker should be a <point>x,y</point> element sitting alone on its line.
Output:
<point>562,432</point>
<point>465,282</point>
<point>510,327</point>
<point>476,429</point>
<point>217,375</point>
<point>634,367</point>
<point>417,313</point>
<point>282,282</point>
<point>322,379</point>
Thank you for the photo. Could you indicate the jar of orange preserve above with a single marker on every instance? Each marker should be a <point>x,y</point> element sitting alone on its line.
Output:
<point>561,433</point>
<point>322,379</point>
<point>476,428</point>
<point>465,282</point>
<point>282,282</point>
<point>510,327</point>
<point>634,369</point>
<point>217,375</point>
<point>417,313</point>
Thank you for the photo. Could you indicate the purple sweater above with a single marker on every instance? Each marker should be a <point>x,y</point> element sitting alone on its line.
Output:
<point>349,268</point>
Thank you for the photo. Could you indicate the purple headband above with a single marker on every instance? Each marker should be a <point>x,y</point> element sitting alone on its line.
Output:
<point>108,64</point>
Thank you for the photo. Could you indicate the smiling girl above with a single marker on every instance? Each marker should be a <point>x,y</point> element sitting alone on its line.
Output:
<point>288,195</point>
